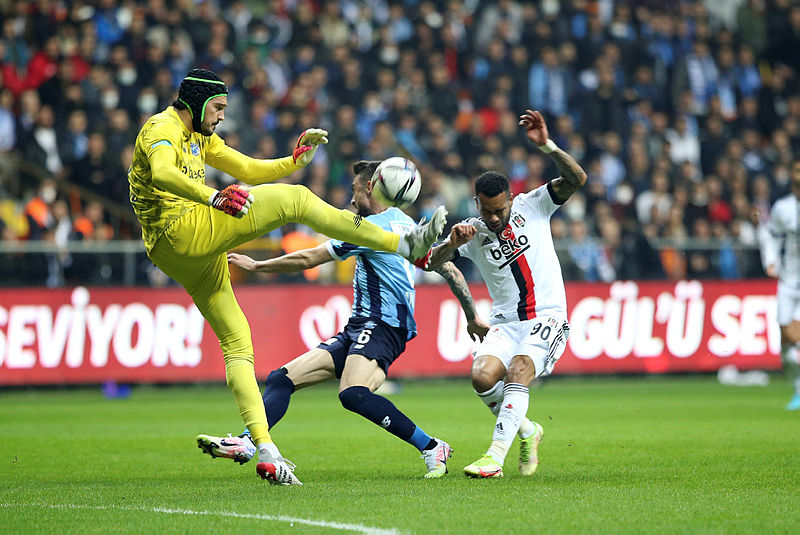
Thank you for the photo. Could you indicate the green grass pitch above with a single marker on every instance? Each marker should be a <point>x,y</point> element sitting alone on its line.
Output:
<point>674,454</point>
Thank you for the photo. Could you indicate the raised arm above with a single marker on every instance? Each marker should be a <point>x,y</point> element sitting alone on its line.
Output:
<point>573,177</point>
<point>288,263</point>
<point>476,327</point>
<point>460,234</point>
<point>254,171</point>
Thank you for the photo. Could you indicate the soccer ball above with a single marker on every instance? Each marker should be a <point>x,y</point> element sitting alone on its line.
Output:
<point>396,182</point>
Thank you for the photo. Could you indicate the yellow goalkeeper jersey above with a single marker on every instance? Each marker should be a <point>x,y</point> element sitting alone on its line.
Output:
<point>180,157</point>
<point>156,208</point>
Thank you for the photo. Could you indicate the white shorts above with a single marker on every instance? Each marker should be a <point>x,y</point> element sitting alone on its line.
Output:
<point>543,339</point>
<point>788,304</point>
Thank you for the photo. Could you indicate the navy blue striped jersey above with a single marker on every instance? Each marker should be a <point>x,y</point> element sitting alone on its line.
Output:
<point>383,286</point>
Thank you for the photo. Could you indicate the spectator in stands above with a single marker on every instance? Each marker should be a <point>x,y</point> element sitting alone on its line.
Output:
<point>42,149</point>
<point>588,255</point>
<point>636,90</point>
<point>550,83</point>
<point>8,138</point>
<point>74,143</point>
<point>684,145</point>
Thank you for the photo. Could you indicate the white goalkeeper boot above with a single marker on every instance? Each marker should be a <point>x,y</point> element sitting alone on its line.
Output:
<point>422,237</point>
<point>274,468</point>
<point>240,449</point>
<point>436,459</point>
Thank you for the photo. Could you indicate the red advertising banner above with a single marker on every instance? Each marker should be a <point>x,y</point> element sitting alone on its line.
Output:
<point>82,335</point>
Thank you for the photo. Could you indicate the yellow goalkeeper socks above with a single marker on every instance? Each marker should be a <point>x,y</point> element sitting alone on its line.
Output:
<point>241,378</point>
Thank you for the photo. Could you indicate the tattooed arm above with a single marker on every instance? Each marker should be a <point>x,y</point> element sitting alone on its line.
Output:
<point>460,234</point>
<point>573,177</point>
<point>476,327</point>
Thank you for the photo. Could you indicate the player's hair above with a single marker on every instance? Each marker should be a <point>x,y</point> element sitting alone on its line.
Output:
<point>195,91</point>
<point>491,184</point>
<point>364,169</point>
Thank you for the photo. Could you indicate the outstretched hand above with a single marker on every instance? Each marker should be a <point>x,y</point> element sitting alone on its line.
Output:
<point>243,261</point>
<point>307,145</point>
<point>535,127</point>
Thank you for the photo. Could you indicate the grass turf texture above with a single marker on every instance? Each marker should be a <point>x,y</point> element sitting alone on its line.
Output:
<point>623,455</point>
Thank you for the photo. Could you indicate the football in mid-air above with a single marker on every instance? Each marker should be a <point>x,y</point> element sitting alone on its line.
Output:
<point>396,182</point>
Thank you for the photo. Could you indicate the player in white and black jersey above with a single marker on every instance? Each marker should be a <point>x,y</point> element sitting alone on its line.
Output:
<point>780,254</point>
<point>512,246</point>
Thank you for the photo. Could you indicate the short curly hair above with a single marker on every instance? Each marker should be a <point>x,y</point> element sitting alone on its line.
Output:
<point>491,184</point>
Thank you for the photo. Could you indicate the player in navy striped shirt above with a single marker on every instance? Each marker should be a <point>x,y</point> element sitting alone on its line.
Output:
<point>382,322</point>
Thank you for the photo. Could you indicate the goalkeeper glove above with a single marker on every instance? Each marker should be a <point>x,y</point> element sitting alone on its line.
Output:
<point>234,200</point>
<point>307,145</point>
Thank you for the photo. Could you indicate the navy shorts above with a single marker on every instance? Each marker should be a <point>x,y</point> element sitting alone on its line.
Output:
<point>371,338</point>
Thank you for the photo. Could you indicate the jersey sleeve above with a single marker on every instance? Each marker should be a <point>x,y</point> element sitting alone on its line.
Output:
<point>770,237</point>
<point>161,144</point>
<point>776,225</point>
<point>340,250</point>
<point>541,200</point>
<point>160,136</point>
<point>242,167</point>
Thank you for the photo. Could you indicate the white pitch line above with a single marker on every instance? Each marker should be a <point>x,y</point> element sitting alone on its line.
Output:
<point>358,528</point>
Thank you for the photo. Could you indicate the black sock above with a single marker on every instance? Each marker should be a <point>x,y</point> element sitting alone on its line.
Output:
<point>279,389</point>
<point>382,412</point>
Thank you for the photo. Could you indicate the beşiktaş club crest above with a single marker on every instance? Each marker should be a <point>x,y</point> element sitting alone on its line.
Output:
<point>518,220</point>
<point>511,246</point>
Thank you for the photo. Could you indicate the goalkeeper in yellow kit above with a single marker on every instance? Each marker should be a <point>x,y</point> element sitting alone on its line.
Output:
<point>187,227</point>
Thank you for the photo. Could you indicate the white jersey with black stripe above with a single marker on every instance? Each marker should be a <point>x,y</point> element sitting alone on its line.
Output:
<point>780,244</point>
<point>519,264</point>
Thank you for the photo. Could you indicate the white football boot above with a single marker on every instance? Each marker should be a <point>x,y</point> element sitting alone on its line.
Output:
<point>239,449</point>
<point>436,459</point>
<point>528,451</point>
<point>278,472</point>
<point>274,468</point>
<point>422,237</point>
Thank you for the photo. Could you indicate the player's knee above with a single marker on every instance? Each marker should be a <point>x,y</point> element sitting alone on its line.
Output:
<point>521,370</point>
<point>353,397</point>
<point>303,202</point>
<point>279,378</point>
<point>790,335</point>
<point>481,382</point>
<point>301,193</point>
<point>484,375</point>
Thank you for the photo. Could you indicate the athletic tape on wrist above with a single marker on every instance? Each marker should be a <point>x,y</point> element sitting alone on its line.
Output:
<point>548,147</point>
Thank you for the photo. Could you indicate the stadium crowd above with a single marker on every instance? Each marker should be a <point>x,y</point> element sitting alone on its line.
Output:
<point>685,113</point>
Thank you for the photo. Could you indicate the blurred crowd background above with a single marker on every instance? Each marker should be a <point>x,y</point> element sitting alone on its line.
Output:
<point>684,113</point>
